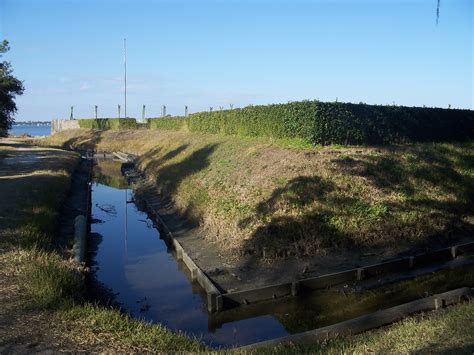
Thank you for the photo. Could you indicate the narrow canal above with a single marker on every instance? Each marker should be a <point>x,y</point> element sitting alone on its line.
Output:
<point>131,261</point>
<point>149,283</point>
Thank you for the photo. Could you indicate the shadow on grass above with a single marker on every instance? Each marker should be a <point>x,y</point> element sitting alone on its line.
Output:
<point>85,142</point>
<point>152,163</point>
<point>311,213</point>
<point>169,177</point>
<point>33,209</point>
<point>296,235</point>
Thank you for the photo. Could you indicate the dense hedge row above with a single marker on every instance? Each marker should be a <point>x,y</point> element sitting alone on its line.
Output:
<point>332,123</point>
<point>108,123</point>
<point>167,123</point>
<point>343,123</point>
<point>292,120</point>
<point>319,123</point>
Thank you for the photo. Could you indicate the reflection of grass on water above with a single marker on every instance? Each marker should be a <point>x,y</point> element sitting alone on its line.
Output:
<point>329,307</point>
<point>107,172</point>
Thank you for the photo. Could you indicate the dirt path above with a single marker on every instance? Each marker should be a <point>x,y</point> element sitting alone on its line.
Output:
<point>23,169</point>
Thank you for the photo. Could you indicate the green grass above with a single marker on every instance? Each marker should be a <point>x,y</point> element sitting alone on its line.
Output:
<point>125,333</point>
<point>449,331</point>
<point>49,281</point>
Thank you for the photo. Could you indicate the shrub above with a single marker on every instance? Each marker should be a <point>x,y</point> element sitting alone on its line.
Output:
<point>316,122</point>
<point>344,123</point>
<point>167,123</point>
<point>108,123</point>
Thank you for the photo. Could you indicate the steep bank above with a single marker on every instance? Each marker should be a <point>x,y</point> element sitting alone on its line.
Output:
<point>250,194</point>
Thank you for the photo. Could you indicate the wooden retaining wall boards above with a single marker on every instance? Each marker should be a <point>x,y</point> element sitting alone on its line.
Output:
<point>214,297</point>
<point>321,282</point>
<point>370,321</point>
<point>218,301</point>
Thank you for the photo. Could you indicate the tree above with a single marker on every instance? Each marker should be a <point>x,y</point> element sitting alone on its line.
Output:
<point>9,88</point>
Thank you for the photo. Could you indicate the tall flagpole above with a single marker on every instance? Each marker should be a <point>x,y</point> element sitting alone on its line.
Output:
<point>125,65</point>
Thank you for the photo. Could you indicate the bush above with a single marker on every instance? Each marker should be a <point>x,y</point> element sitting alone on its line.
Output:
<point>108,123</point>
<point>292,120</point>
<point>167,123</point>
<point>341,123</point>
<point>331,123</point>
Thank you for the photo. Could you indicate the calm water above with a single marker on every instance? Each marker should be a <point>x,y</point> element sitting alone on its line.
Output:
<point>135,264</point>
<point>31,130</point>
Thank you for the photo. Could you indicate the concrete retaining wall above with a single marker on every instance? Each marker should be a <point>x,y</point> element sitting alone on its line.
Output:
<point>61,125</point>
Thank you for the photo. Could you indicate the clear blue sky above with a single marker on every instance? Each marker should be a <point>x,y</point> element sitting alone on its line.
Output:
<point>213,53</point>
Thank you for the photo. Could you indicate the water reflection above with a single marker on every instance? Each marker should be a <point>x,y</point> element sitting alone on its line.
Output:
<point>135,263</point>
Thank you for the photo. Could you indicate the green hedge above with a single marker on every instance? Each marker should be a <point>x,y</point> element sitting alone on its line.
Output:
<point>108,123</point>
<point>167,123</point>
<point>331,123</point>
<point>294,120</point>
<point>341,123</point>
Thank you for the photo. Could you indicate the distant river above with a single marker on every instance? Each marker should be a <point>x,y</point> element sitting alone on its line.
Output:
<point>32,130</point>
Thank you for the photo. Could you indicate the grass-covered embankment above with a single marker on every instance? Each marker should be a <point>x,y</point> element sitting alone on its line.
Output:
<point>251,193</point>
<point>40,291</point>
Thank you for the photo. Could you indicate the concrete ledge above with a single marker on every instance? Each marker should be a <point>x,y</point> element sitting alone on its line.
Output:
<point>370,321</point>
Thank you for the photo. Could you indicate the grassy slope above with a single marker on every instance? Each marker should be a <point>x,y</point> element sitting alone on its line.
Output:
<point>447,331</point>
<point>39,287</point>
<point>251,193</point>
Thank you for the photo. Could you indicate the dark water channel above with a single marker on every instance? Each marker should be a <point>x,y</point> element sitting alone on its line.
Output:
<point>133,262</point>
